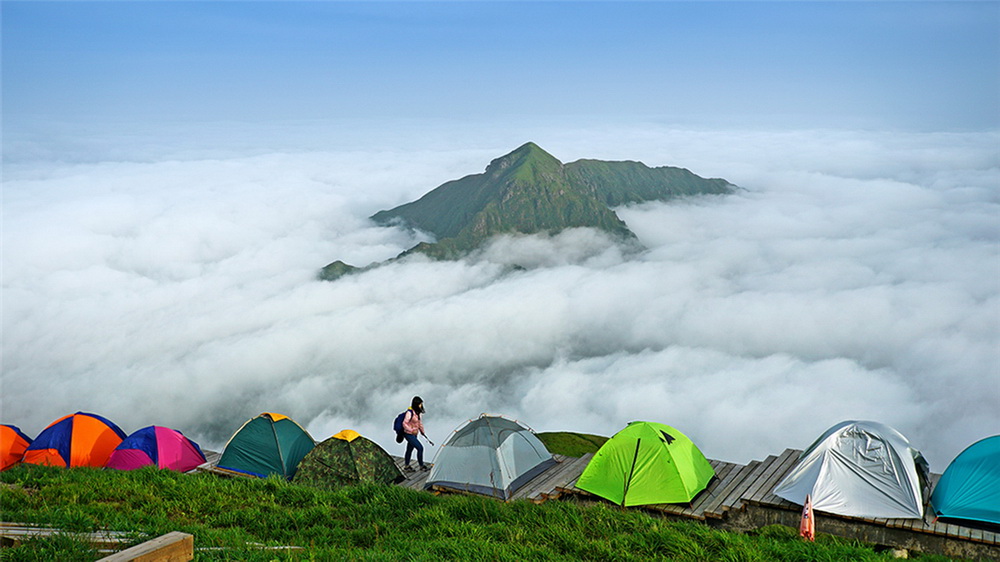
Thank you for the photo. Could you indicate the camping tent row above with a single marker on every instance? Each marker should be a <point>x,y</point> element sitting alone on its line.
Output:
<point>84,439</point>
<point>490,455</point>
<point>274,444</point>
<point>265,445</point>
<point>642,464</point>
<point>855,468</point>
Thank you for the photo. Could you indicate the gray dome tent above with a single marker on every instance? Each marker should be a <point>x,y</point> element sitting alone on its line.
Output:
<point>860,469</point>
<point>490,455</point>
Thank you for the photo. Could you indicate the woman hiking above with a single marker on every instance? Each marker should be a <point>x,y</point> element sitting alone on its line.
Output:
<point>412,426</point>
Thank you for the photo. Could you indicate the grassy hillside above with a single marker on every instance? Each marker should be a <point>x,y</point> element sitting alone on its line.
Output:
<point>571,444</point>
<point>365,523</point>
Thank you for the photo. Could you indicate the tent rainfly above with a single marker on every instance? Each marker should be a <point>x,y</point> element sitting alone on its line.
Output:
<point>79,439</point>
<point>970,486</point>
<point>647,463</point>
<point>157,446</point>
<point>13,443</point>
<point>345,459</point>
<point>267,444</point>
<point>859,469</point>
<point>489,455</point>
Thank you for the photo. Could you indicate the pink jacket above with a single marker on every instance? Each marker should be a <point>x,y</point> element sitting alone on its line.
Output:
<point>412,423</point>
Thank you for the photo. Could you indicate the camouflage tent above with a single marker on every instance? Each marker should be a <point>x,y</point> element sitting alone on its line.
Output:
<point>347,458</point>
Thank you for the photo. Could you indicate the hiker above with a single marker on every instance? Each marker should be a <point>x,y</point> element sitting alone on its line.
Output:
<point>411,427</point>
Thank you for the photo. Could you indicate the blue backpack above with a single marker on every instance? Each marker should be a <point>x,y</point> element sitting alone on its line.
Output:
<point>397,426</point>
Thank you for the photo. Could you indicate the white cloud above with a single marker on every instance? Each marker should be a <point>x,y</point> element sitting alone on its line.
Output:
<point>856,276</point>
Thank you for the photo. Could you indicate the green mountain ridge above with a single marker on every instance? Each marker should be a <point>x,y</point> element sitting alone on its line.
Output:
<point>529,191</point>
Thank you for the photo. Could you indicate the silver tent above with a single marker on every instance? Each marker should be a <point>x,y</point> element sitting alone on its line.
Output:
<point>861,469</point>
<point>490,455</point>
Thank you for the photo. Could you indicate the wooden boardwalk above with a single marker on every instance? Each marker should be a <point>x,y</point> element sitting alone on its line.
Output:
<point>13,534</point>
<point>544,486</point>
<point>414,480</point>
<point>211,466</point>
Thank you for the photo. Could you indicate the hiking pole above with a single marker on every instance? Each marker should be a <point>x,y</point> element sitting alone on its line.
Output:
<point>429,440</point>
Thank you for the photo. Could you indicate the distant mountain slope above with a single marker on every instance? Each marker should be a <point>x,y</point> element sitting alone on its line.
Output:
<point>530,191</point>
<point>571,444</point>
<point>620,183</point>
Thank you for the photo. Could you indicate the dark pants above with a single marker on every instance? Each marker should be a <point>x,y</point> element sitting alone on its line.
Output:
<point>411,444</point>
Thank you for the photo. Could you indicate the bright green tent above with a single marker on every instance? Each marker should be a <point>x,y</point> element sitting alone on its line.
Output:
<point>647,463</point>
<point>267,444</point>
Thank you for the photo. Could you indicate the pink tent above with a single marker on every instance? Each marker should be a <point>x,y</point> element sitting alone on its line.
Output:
<point>158,446</point>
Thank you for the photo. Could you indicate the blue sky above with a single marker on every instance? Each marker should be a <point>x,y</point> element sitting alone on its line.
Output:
<point>912,65</point>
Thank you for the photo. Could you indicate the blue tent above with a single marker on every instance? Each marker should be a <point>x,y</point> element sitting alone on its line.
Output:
<point>970,486</point>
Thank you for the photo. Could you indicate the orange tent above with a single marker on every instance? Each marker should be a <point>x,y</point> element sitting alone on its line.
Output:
<point>12,446</point>
<point>78,439</point>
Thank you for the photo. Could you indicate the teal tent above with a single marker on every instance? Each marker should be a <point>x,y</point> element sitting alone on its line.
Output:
<point>970,486</point>
<point>267,444</point>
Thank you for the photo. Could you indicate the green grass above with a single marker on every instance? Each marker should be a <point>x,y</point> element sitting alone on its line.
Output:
<point>364,522</point>
<point>571,444</point>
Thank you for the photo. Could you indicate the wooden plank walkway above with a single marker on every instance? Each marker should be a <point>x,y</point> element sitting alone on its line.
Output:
<point>212,457</point>
<point>12,534</point>
<point>219,471</point>
<point>171,547</point>
<point>542,487</point>
<point>211,465</point>
<point>546,485</point>
<point>414,480</point>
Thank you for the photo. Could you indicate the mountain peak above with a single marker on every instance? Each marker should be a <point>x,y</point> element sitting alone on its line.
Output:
<point>528,149</point>
<point>528,155</point>
<point>530,191</point>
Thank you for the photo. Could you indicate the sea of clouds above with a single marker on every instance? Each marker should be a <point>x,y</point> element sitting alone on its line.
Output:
<point>856,275</point>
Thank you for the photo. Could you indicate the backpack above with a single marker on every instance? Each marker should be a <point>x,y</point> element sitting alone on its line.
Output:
<point>397,426</point>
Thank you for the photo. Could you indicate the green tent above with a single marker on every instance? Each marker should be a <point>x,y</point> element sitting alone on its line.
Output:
<point>647,463</point>
<point>347,458</point>
<point>267,444</point>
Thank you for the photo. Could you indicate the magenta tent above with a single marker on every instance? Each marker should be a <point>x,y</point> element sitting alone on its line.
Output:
<point>156,446</point>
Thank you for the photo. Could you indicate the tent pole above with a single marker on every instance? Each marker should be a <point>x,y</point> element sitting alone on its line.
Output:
<point>631,470</point>
<point>281,454</point>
